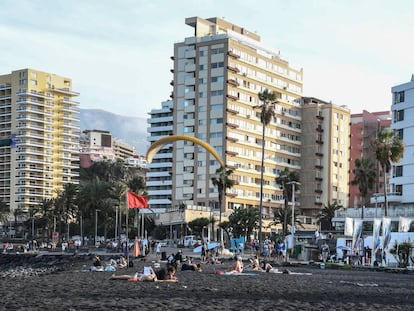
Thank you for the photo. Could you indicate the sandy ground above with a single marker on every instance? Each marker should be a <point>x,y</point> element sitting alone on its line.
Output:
<point>73,287</point>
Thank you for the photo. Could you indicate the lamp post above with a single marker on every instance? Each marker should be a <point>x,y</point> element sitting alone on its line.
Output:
<point>292,228</point>
<point>96,224</point>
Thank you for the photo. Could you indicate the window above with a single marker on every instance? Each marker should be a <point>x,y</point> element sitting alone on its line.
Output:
<point>217,65</point>
<point>399,97</point>
<point>217,93</point>
<point>189,129</point>
<point>201,67</point>
<point>398,171</point>
<point>217,79</point>
<point>217,121</point>
<point>398,115</point>
<point>216,107</point>
<point>400,133</point>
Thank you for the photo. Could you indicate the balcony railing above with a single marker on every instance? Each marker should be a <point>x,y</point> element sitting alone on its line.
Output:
<point>393,197</point>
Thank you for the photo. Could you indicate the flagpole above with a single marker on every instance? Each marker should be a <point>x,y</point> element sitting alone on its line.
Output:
<point>126,225</point>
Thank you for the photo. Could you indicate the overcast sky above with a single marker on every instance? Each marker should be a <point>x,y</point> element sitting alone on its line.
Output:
<point>118,52</point>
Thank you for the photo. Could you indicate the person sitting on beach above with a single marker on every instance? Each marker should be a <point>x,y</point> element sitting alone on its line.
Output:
<point>97,261</point>
<point>168,275</point>
<point>191,267</point>
<point>122,262</point>
<point>237,266</point>
<point>97,264</point>
<point>255,263</point>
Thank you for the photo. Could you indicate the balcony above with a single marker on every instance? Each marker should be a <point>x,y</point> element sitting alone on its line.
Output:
<point>231,153</point>
<point>231,167</point>
<point>172,82</point>
<point>318,166</point>
<point>231,195</point>
<point>319,117</point>
<point>232,125</point>
<point>232,97</point>
<point>232,111</point>
<point>318,203</point>
<point>234,55</point>
<point>392,197</point>
<point>317,178</point>
<point>319,191</point>
<point>319,154</point>
<point>319,141</point>
<point>65,91</point>
<point>233,69</point>
<point>319,129</point>
<point>232,139</point>
<point>233,82</point>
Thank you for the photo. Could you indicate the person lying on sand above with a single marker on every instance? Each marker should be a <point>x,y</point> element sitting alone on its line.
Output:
<point>191,267</point>
<point>161,275</point>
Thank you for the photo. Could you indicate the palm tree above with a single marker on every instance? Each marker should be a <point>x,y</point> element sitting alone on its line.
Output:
<point>328,213</point>
<point>267,113</point>
<point>284,216</point>
<point>223,182</point>
<point>365,175</point>
<point>285,179</point>
<point>388,148</point>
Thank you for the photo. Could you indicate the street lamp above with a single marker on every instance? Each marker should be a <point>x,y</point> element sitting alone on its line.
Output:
<point>292,228</point>
<point>96,224</point>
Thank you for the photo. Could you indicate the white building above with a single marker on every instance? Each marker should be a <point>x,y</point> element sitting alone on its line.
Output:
<point>159,184</point>
<point>402,175</point>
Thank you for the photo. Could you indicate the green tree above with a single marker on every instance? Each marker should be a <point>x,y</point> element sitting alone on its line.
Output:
<point>388,148</point>
<point>198,224</point>
<point>267,113</point>
<point>284,180</point>
<point>327,214</point>
<point>4,212</point>
<point>365,176</point>
<point>243,221</point>
<point>284,216</point>
<point>223,182</point>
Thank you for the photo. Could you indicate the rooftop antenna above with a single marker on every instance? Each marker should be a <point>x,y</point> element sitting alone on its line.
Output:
<point>412,77</point>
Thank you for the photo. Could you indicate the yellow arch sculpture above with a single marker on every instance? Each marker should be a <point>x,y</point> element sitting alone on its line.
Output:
<point>156,146</point>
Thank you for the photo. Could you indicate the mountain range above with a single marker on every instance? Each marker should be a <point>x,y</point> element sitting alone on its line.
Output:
<point>130,130</point>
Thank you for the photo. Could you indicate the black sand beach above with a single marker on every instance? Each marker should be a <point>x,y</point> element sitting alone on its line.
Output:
<point>68,285</point>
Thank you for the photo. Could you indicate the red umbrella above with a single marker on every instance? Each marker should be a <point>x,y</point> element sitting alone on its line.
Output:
<point>137,251</point>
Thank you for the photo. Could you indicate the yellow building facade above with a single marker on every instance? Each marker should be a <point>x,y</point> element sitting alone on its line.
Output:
<point>38,110</point>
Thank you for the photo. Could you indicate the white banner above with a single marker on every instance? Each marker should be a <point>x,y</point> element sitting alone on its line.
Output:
<point>404,224</point>
<point>376,241</point>
<point>357,233</point>
<point>349,226</point>
<point>386,232</point>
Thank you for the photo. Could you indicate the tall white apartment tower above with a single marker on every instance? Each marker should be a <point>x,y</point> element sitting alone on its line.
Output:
<point>402,175</point>
<point>38,109</point>
<point>158,178</point>
<point>218,73</point>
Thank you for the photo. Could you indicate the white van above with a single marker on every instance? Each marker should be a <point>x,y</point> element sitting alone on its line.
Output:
<point>190,240</point>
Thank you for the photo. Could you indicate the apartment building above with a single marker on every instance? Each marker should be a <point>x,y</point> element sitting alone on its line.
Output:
<point>325,155</point>
<point>365,127</point>
<point>37,109</point>
<point>158,178</point>
<point>402,175</point>
<point>218,72</point>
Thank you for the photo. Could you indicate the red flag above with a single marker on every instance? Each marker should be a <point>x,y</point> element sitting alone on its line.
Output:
<point>136,201</point>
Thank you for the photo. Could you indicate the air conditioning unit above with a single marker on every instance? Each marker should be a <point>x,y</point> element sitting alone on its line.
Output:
<point>244,74</point>
<point>247,116</point>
